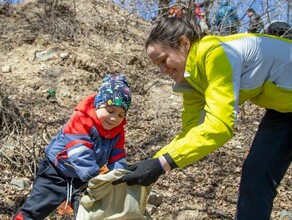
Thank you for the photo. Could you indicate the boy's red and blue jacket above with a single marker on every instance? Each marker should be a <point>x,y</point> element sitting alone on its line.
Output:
<point>83,146</point>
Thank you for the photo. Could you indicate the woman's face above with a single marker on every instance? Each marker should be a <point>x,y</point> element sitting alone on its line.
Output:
<point>170,61</point>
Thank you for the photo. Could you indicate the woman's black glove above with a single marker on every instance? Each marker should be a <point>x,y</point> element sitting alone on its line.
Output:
<point>143,173</point>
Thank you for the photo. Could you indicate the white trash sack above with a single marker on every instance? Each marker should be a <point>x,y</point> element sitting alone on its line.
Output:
<point>105,201</point>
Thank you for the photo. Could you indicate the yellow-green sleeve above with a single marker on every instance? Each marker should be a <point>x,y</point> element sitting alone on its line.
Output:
<point>202,135</point>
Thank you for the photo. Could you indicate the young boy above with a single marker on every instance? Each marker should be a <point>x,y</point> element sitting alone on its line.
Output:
<point>92,138</point>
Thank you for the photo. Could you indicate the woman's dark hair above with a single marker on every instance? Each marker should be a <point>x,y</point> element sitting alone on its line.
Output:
<point>169,30</point>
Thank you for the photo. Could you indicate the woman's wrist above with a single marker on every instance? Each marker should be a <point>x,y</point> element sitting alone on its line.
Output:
<point>165,165</point>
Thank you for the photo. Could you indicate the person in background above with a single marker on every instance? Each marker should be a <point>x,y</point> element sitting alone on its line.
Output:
<point>93,137</point>
<point>177,10</point>
<point>215,75</point>
<point>226,20</point>
<point>203,23</point>
<point>255,22</point>
<point>198,11</point>
<point>278,28</point>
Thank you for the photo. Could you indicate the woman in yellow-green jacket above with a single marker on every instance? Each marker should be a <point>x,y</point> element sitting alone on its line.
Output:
<point>215,75</point>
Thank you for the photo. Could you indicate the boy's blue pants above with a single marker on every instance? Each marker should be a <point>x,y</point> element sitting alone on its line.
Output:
<point>48,192</point>
<point>265,166</point>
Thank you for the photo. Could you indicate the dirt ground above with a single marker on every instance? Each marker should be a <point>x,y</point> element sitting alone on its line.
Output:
<point>51,56</point>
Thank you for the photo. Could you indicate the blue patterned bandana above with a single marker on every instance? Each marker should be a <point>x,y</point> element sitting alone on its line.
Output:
<point>114,91</point>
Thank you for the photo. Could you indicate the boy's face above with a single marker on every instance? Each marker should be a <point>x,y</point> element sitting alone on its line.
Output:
<point>110,116</point>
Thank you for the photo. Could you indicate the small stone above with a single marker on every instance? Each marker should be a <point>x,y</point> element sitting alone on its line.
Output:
<point>285,215</point>
<point>6,69</point>
<point>155,199</point>
<point>20,183</point>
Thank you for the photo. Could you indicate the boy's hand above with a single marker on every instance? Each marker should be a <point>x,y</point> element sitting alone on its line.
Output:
<point>143,173</point>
